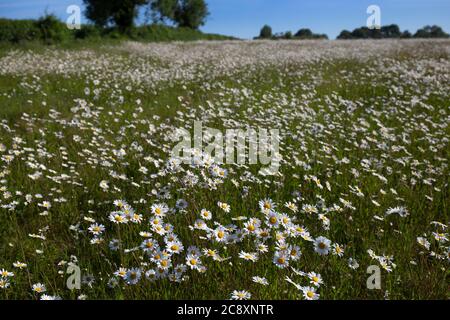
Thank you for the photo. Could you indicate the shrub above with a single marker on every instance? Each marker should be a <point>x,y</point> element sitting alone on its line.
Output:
<point>52,30</point>
<point>266,32</point>
<point>16,31</point>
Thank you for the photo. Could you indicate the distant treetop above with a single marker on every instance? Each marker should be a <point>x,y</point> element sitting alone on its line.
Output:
<point>392,31</point>
<point>266,33</point>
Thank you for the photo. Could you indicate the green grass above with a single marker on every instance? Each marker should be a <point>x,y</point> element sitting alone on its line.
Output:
<point>356,229</point>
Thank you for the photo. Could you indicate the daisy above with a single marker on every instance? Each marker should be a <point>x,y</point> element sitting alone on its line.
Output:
<point>47,297</point>
<point>128,212</point>
<point>423,242</point>
<point>441,237</point>
<point>96,229</point>
<point>19,265</point>
<point>117,217</point>
<point>263,234</point>
<point>272,219</point>
<point>4,283</point>
<point>309,293</point>
<point>193,250</point>
<point>401,211</point>
<point>294,252</point>
<point>180,269</point>
<point>240,295</point>
<point>114,245</point>
<point>122,272</point>
<point>133,276</point>
<point>160,210</point>
<point>175,246</point>
<point>322,245</point>
<point>104,185</point>
<point>149,245</point>
<point>200,225</point>
<point>285,219</point>
<point>309,209</point>
<point>338,250</point>
<point>220,234</point>
<point>6,274</point>
<point>205,214</point>
<point>262,248</point>
<point>193,262</point>
<point>315,279</point>
<point>120,203</point>
<point>252,225</point>
<point>281,259</point>
<point>266,205</point>
<point>164,263</point>
<point>260,280</point>
<point>210,253</point>
<point>291,206</point>
<point>38,288</point>
<point>136,218</point>
<point>181,204</point>
<point>151,275</point>
<point>249,256</point>
<point>224,206</point>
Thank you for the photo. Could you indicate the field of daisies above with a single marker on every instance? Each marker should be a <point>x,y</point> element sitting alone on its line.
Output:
<point>87,180</point>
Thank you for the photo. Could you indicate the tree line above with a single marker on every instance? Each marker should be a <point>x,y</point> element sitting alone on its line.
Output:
<point>385,32</point>
<point>304,33</point>
<point>122,13</point>
<point>393,31</point>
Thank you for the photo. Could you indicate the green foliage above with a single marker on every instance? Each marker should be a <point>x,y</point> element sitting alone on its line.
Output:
<point>16,31</point>
<point>48,30</point>
<point>121,13</point>
<point>431,32</point>
<point>191,13</point>
<point>160,33</point>
<point>52,30</point>
<point>266,32</point>
<point>163,9</point>
<point>391,32</point>
<point>308,34</point>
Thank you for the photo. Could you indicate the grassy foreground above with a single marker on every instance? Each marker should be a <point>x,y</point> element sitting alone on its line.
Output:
<point>363,179</point>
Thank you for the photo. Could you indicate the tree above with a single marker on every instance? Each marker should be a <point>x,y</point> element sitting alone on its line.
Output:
<point>98,11</point>
<point>266,32</point>
<point>431,32</point>
<point>119,12</point>
<point>390,31</point>
<point>345,34</point>
<point>288,35</point>
<point>406,34</point>
<point>191,13</point>
<point>163,9</point>
<point>304,33</point>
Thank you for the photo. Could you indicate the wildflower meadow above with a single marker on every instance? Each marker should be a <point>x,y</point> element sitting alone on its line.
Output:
<point>333,184</point>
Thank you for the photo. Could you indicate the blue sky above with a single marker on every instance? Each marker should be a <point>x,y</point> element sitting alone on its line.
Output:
<point>244,18</point>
